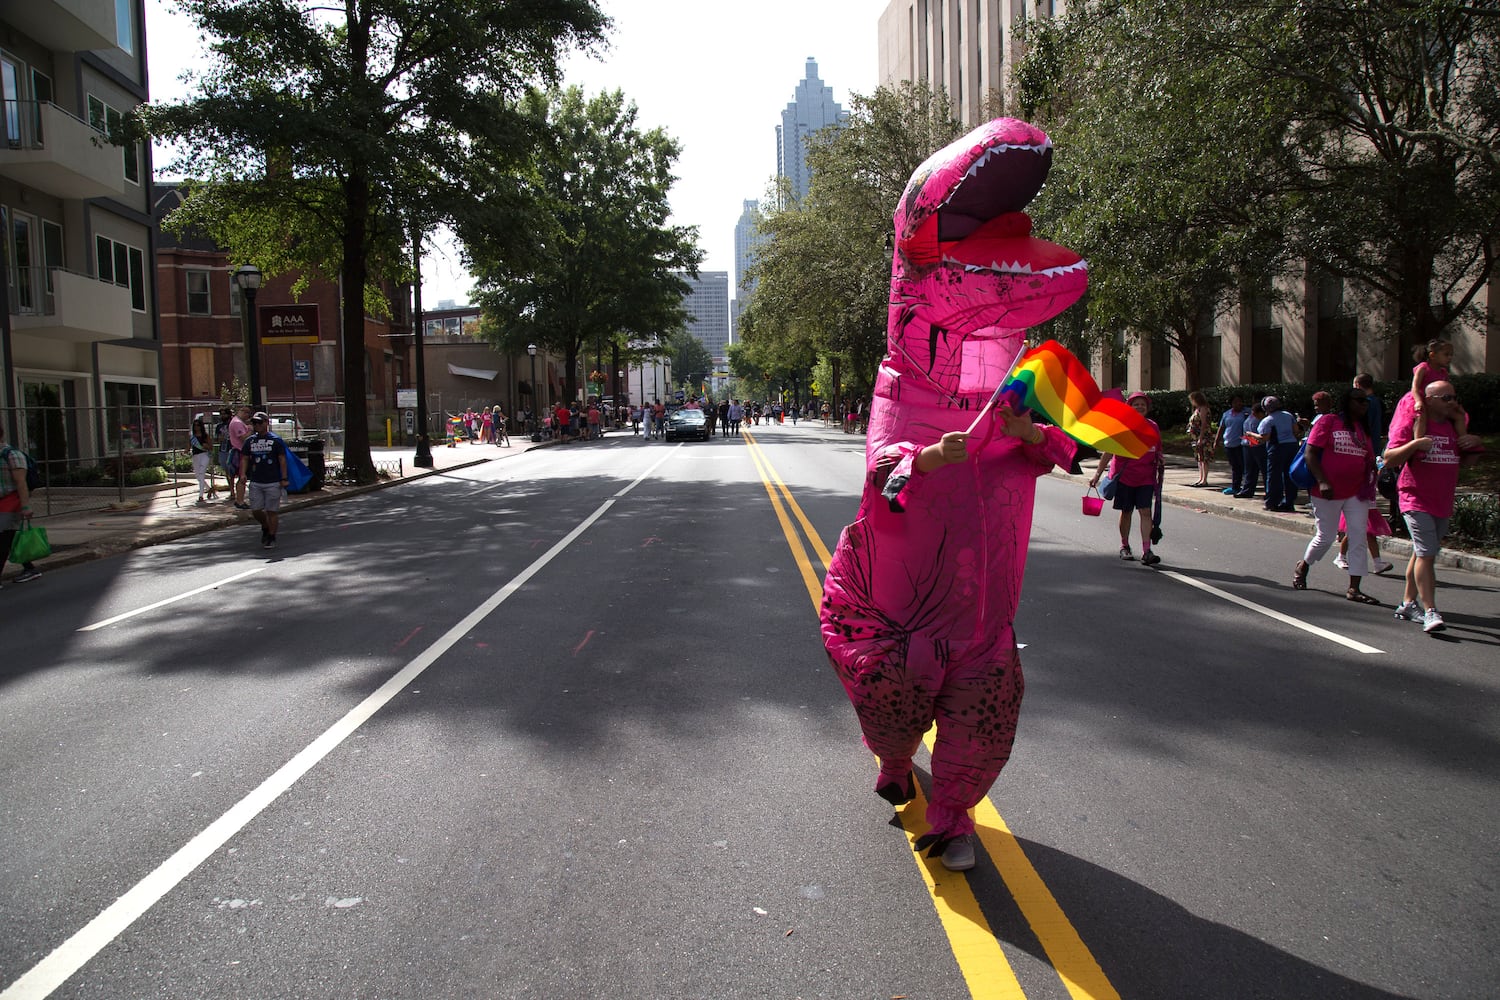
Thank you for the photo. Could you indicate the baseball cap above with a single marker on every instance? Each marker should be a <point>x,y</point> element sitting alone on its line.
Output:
<point>1137,395</point>
<point>1271,403</point>
<point>260,417</point>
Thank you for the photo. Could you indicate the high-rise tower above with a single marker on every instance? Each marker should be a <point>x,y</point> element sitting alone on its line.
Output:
<point>812,108</point>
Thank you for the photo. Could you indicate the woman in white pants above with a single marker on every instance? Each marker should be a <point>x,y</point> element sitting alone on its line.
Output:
<point>202,447</point>
<point>1341,458</point>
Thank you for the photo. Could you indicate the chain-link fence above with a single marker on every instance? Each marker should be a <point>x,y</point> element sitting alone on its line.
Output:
<point>90,458</point>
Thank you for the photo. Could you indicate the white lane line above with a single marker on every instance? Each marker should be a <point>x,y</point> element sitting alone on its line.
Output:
<point>171,600</point>
<point>70,956</point>
<point>1358,647</point>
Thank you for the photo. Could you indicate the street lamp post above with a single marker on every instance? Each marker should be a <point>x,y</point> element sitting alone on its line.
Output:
<point>531,352</point>
<point>423,458</point>
<point>248,279</point>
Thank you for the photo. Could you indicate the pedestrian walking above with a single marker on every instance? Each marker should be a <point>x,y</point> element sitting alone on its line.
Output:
<point>201,447</point>
<point>1426,485</point>
<point>239,431</point>
<point>1135,482</point>
<point>15,504</point>
<point>1342,461</point>
<point>263,466</point>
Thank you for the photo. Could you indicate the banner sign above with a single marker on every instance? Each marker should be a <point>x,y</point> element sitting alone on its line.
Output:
<point>289,324</point>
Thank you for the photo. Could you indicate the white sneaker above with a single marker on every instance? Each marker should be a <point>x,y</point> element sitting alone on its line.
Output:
<point>1341,562</point>
<point>1381,566</point>
<point>959,855</point>
<point>1409,611</point>
<point>1432,623</point>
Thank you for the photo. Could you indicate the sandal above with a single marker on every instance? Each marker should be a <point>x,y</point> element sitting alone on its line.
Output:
<point>1299,576</point>
<point>1359,597</point>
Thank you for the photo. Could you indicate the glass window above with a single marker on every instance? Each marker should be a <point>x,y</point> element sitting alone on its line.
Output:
<point>96,113</point>
<point>122,264</point>
<point>197,293</point>
<point>234,297</point>
<point>52,250</point>
<point>130,409</point>
<point>137,280</point>
<point>104,249</point>
<point>125,25</point>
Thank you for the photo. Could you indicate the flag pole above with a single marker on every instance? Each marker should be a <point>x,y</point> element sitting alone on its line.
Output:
<point>995,397</point>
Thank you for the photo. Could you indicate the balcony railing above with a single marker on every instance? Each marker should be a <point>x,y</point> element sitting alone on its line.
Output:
<point>58,153</point>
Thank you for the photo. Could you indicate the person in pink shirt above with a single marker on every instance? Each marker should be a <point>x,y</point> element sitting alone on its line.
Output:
<point>239,430</point>
<point>1341,458</point>
<point>1135,486</point>
<point>1428,481</point>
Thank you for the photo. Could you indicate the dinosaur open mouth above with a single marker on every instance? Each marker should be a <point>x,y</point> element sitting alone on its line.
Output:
<point>1004,178</point>
<point>1004,245</point>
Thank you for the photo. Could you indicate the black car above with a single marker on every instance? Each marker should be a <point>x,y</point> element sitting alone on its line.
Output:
<point>687,424</point>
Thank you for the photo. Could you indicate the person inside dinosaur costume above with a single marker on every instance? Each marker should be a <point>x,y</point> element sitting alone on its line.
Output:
<point>919,599</point>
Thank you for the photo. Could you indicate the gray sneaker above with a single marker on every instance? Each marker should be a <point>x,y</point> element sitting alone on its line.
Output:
<point>1432,623</point>
<point>959,854</point>
<point>1409,611</point>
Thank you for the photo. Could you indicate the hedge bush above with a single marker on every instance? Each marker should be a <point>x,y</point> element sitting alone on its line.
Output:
<point>146,475</point>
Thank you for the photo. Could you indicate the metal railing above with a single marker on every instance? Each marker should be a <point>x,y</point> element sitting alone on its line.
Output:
<point>90,458</point>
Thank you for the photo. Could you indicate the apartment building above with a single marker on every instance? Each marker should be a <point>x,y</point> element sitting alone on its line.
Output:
<point>79,341</point>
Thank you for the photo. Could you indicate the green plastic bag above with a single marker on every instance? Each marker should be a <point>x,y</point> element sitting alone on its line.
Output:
<point>29,545</point>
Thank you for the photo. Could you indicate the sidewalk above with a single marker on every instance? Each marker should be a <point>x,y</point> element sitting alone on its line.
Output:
<point>169,513</point>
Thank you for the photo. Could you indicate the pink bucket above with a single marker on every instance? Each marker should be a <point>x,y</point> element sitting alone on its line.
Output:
<point>1092,505</point>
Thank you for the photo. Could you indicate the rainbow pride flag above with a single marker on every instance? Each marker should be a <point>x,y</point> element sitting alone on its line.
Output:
<point>1051,380</point>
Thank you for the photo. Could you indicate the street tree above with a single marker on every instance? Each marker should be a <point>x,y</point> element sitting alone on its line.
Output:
<point>1164,175</point>
<point>321,131</point>
<point>824,269</point>
<point>605,266</point>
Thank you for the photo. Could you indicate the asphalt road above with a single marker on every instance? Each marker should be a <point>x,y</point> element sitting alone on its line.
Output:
<point>561,726</point>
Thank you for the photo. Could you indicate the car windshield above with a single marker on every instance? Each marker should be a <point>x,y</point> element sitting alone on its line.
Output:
<point>688,416</point>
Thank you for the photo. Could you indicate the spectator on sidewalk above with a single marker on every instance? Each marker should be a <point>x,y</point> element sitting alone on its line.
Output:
<point>1232,428</point>
<point>15,503</point>
<point>201,447</point>
<point>1279,431</point>
<point>1342,461</point>
<point>1427,484</point>
<point>239,430</point>
<point>1201,432</point>
<point>1255,451</point>
<point>1135,486</point>
<point>263,466</point>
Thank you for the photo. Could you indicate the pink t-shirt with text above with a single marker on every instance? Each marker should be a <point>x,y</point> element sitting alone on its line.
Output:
<point>1429,479</point>
<point>1346,457</point>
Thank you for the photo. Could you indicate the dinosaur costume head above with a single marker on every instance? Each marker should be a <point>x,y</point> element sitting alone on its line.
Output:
<point>966,267</point>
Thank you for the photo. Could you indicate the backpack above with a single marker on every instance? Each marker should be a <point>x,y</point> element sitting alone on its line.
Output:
<point>33,474</point>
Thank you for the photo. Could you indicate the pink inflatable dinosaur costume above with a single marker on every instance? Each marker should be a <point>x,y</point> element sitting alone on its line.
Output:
<point>920,597</point>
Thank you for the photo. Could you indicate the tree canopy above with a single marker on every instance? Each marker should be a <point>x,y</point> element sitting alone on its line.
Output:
<point>324,135</point>
<point>1207,149</point>
<point>605,262</point>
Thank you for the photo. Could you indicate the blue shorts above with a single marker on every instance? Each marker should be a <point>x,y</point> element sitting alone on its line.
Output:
<point>1134,497</point>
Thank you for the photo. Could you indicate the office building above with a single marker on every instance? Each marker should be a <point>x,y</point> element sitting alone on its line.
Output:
<point>707,307</point>
<point>812,109</point>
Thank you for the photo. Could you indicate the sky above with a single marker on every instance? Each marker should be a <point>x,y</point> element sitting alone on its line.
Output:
<point>715,76</point>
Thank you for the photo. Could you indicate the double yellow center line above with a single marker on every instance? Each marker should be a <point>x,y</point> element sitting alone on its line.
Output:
<point>980,958</point>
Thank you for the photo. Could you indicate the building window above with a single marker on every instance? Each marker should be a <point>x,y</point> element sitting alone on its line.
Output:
<point>197,294</point>
<point>111,122</point>
<point>234,297</point>
<point>125,25</point>
<point>130,408</point>
<point>124,265</point>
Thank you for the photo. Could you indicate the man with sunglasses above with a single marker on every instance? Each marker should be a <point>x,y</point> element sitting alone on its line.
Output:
<point>1428,481</point>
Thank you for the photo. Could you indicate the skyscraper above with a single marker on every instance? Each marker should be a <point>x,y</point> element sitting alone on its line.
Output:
<point>812,108</point>
<point>707,307</point>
